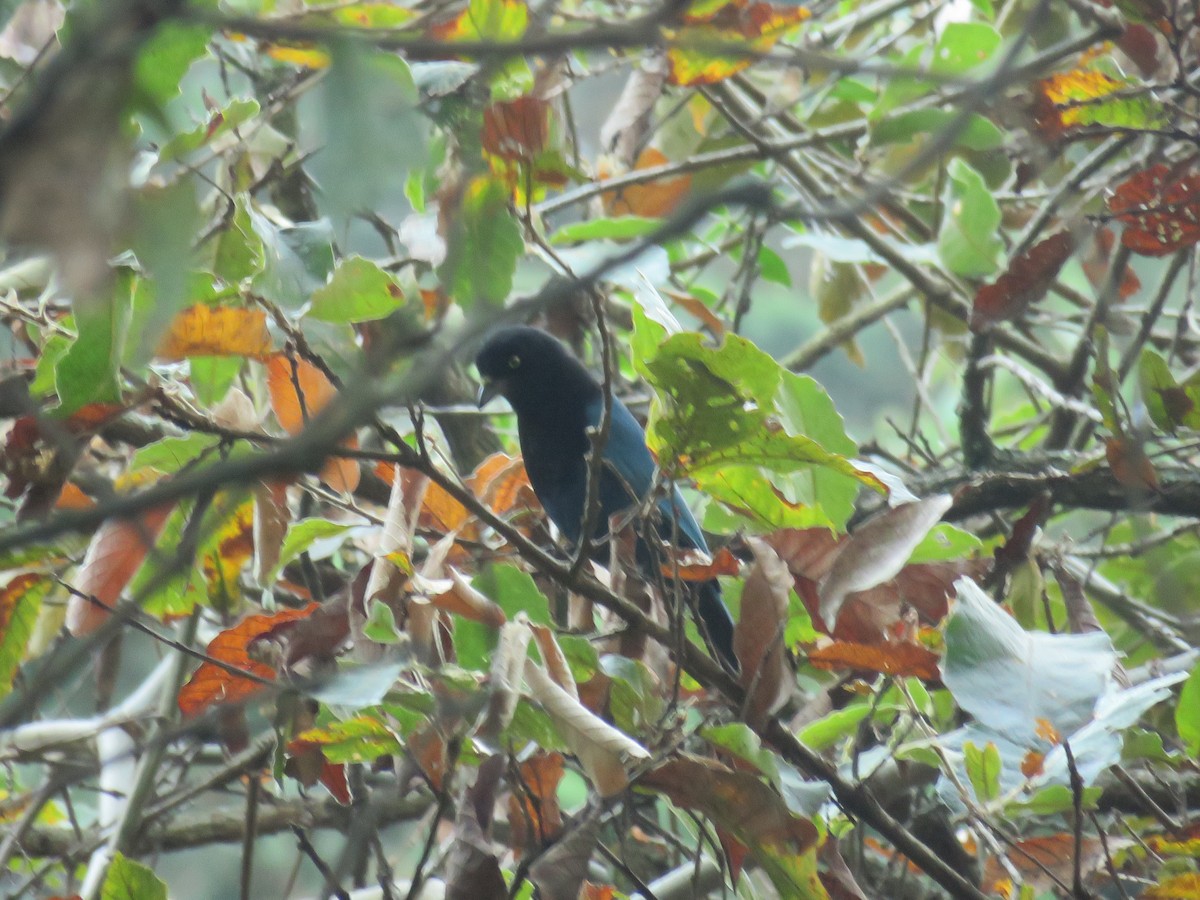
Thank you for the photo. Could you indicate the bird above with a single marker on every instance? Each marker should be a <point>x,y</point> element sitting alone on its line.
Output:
<point>557,402</point>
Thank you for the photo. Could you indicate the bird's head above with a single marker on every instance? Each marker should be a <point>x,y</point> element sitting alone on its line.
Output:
<point>526,365</point>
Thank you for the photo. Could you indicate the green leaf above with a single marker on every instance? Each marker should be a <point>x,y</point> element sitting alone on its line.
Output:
<point>514,591</point>
<point>47,363</point>
<point>622,228</point>
<point>978,134</point>
<point>360,739</point>
<point>171,454</point>
<point>484,246</point>
<point>772,267</point>
<point>983,768</point>
<point>969,241</point>
<point>963,46</point>
<point>168,220</point>
<point>359,291</point>
<point>88,371</point>
<point>1169,404</point>
<point>299,259</point>
<point>1055,800</point>
<point>303,534</point>
<point>833,727</point>
<point>240,252</point>
<point>1187,713</point>
<point>381,624</point>
<point>129,880</point>
<point>222,122</point>
<point>634,699</point>
<point>20,600</point>
<point>211,377</point>
<point>805,409</point>
<point>740,740</point>
<point>944,542</point>
<point>370,126</point>
<point>165,57</point>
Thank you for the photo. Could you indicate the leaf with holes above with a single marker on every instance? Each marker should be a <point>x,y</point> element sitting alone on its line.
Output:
<point>1160,208</point>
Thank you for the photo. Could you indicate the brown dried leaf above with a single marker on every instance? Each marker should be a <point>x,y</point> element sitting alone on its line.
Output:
<point>758,635</point>
<point>1023,283</point>
<point>115,553</point>
<point>878,550</point>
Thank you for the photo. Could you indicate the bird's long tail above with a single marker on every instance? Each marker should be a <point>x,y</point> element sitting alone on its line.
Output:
<point>716,621</point>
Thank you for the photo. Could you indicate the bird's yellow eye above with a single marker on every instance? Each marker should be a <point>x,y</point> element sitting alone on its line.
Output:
<point>514,361</point>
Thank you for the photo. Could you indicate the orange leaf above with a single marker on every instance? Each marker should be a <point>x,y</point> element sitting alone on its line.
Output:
<point>516,129</point>
<point>73,497</point>
<point>1160,208</point>
<point>294,408</point>
<point>1023,283</point>
<point>1031,763</point>
<point>211,684</point>
<point>901,659</point>
<point>652,200</point>
<point>694,565</point>
<point>340,472</point>
<point>501,482</point>
<point>533,811</point>
<point>115,553</point>
<point>217,331</point>
<point>1047,732</point>
<point>1129,463</point>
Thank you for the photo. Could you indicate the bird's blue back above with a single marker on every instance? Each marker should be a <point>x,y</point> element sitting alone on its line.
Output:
<point>626,452</point>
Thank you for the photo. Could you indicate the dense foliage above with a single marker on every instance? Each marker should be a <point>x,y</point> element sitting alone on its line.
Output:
<point>279,611</point>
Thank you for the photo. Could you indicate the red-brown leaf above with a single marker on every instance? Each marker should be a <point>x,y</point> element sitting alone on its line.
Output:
<point>211,684</point>
<point>1023,283</point>
<point>1160,208</point>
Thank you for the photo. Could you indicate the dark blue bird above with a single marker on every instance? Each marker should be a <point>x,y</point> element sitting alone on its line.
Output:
<point>556,401</point>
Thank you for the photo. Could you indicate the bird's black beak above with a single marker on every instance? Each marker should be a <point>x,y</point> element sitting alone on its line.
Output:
<point>489,389</point>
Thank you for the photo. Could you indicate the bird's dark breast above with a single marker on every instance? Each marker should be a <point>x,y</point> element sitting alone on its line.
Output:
<point>554,444</point>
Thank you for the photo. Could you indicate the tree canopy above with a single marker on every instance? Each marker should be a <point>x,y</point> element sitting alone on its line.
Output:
<point>903,292</point>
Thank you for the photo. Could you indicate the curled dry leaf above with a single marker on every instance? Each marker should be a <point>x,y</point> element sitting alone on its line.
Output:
<point>115,553</point>
<point>462,599</point>
<point>738,802</point>
<point>504,681</point>
<point>603,751</point>
<point>628,124</point>
<point>758,635</point>
<point>271,518</point>
<point>552,657</point>
<point>878,550</point>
